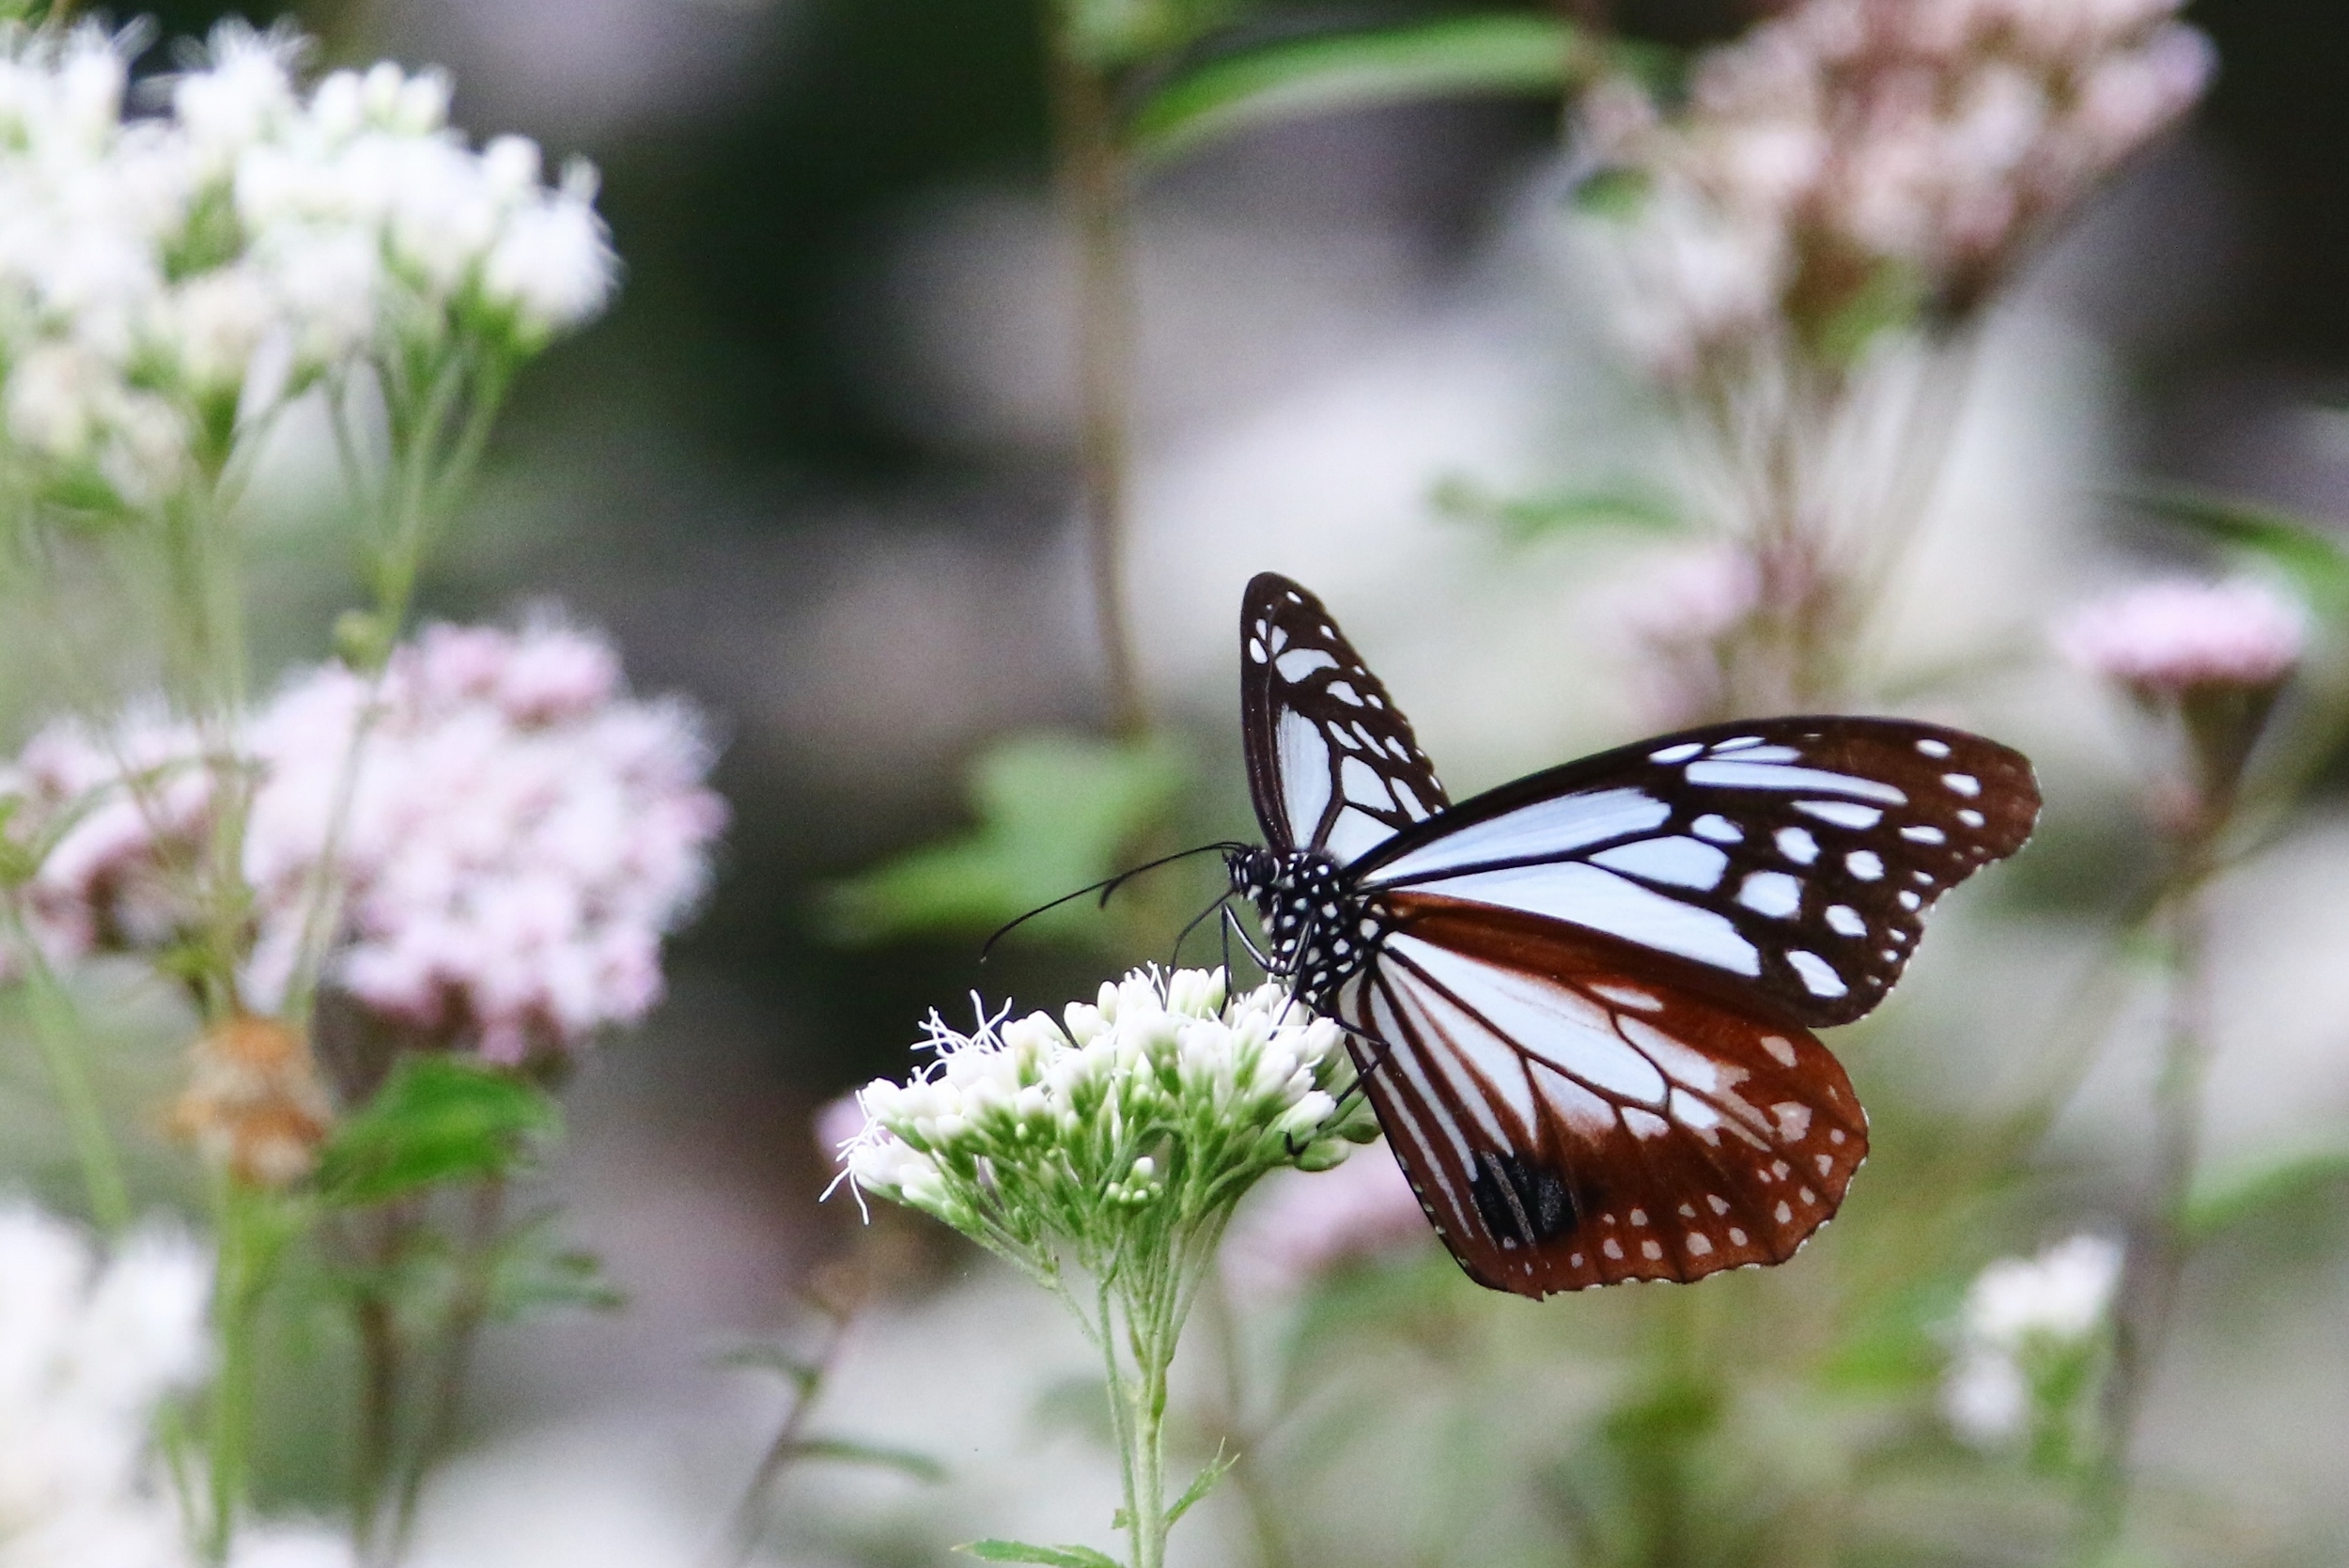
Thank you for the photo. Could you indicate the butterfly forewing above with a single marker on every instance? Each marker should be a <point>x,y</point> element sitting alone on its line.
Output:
<point>1331,763</point>
<point>1572,1116</point>
<point>1792,858</point>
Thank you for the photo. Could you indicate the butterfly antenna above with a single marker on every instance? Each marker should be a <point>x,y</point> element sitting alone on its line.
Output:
<point>1105,887</point>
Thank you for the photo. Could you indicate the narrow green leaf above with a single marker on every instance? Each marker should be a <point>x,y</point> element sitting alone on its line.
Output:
<point>1054,813</point>
<point>1513,52</point>
<point>1525,519</point>
<point>920,1467</point>
<point>2226,1196</point>
<point>1051,1557</point>
<point>1203,1483</point>
<point>803,1375</point>
<point>2300,548</point>
<point>436,1119</point>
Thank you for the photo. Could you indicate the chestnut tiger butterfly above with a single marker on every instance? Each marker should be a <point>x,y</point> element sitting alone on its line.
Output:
<point>1581,1004</point>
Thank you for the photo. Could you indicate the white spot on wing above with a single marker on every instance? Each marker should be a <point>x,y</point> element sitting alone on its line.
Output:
<point>1681,753</point>
<point>1548,1022</point>
<point>1576,1105</point>
<point>1344,693</point>
<point>1771,892</point>
<point>1843,813</point>
<point>1818,976</point>
<point>1720,830</point>
<point>1355,835</point>
<point>1934,748</point>
<point>1923,833</point>
<point>1845,921</point>
<point>1964,784</point>
<point>1766,775</point>
<point>1683,863</point>
<point>1298,663</point>
<point>1543,828</point>
<point>1866,865</point>
<point>1644,1123</point>
<point>1304,772</point>
<point>1781,1050</point>
<point>1798,845</point>
<point>1589,897</point>
<point>1793,1120</point>
<point>1698,1246</point>
<point>1363,785</point>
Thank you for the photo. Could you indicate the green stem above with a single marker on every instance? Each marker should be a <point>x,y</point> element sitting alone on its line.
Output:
<point>1096,181</point>
<point>2160,1245</point>
<point>250,1241</point>
<point>57,1031</point>
<point>460,1334</point>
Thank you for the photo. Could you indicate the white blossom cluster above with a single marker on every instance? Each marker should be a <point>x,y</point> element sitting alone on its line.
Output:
<point>89,1350</point>
<point>519,836</point>
<point>1129,1124</point>
<point>168,279</point>
<point>1845,146</point>
<point>2024,1319</point>
<point>2168,638</point>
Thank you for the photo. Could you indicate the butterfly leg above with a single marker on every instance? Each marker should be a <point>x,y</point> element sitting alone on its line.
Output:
<point>1232,927</point>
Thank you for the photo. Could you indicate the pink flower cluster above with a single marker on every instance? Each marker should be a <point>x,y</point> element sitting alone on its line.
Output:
<point>2165,639</point>
<point>1845,137</point>
<point>519,836</point>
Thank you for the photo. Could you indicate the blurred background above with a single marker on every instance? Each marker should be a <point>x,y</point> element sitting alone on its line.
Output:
<point>814,472</point>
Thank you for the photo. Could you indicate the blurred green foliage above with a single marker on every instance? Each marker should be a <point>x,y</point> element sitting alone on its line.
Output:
<point>1055,813</point>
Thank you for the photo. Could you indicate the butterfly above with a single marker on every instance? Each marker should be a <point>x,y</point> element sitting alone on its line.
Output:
<point>1581,1004</point>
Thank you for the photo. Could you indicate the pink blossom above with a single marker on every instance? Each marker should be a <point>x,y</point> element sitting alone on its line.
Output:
<point>1841,136</point>
<point>520,835</point>
<point>2167,638</point>
<point>1303,1225</point>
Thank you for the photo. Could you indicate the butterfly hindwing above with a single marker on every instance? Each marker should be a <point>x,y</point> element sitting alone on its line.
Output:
<point>1570,1116</point>
<point>1331,763</point>
<point>1793,859</point>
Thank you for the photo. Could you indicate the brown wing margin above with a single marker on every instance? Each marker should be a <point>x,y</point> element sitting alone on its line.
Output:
<point>1654,1131</point>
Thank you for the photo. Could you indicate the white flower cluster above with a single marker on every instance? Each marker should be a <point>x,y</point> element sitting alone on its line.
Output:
<point>1845,137</point>
<point>167,279</point>
<point>2167,638</point>
<point>519,836</point>
<point>2023,1319</point>
<point>88,1351</point>
<point>1150,1111</point>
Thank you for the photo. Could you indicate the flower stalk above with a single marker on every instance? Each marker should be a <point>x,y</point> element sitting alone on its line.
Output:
<point>1102,1155</point>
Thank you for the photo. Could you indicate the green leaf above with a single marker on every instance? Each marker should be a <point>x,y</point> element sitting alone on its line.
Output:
<point>1051,1557</point>
<point>920,1467</point>
<point>1055,812</point>
<point>1525,519</point>
<point>1513,53</point>
<point>803,1374</point>
<point>436,1119</point>
<point>2301,548</point>
<point>1205,1484</point>
<point>2226,1196</point>
<point>535,1272</point>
